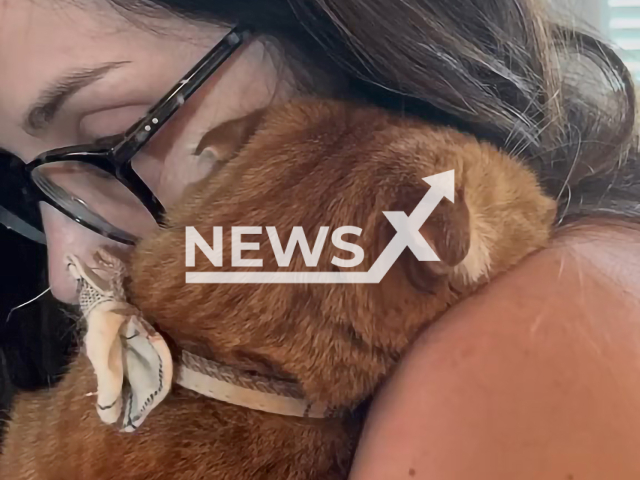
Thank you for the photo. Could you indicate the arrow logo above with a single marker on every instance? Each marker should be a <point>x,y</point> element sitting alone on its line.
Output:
<point>407,236</point>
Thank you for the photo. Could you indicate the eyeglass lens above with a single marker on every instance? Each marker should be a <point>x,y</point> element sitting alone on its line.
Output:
<point>95,197</point>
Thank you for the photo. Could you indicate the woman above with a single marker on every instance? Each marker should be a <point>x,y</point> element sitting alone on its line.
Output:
<point>534,378</point>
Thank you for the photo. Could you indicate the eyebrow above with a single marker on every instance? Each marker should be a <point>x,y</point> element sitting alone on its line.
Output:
<point>43,111</point>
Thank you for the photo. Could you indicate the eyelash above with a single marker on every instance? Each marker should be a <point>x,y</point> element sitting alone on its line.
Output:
<point>92,139</point>
<point>106,139</point>
<point>98,126</point>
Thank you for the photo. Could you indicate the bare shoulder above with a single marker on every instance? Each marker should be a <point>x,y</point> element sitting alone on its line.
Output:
<point>536,377</point>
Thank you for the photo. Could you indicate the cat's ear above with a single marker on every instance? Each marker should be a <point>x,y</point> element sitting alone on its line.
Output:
<point>225,140</point>
<point>448,233</point>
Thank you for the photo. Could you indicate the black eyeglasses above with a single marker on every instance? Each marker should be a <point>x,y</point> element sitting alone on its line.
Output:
<point>96,185</point>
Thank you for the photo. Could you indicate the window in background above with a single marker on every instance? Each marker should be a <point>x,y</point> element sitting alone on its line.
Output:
<point>623,30</point>
<point>617,21</point>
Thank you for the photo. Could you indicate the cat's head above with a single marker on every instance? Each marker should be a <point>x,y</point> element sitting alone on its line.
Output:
<point>309,165</point>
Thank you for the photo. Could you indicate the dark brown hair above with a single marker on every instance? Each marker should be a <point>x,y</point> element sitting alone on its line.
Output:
<point>501,69</point>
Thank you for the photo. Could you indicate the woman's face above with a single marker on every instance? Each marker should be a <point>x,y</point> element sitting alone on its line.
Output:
<point>73,72</point>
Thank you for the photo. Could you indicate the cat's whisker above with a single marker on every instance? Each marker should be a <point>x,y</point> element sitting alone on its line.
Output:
<point>36,298</point>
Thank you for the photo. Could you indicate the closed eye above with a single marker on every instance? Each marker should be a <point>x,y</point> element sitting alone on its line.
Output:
<point>104,125</point>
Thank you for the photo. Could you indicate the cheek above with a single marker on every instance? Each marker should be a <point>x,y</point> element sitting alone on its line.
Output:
<point>64,236</point>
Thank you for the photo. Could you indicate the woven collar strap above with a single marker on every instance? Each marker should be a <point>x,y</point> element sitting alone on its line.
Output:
<point>256,392</point>
<point>134,367</point>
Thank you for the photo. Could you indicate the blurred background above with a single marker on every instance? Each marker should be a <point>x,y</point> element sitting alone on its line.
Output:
<point>617,21</point>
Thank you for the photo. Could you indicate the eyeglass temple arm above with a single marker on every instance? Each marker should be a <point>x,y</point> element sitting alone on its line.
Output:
<point>15,223</point>
<point>138,136</point>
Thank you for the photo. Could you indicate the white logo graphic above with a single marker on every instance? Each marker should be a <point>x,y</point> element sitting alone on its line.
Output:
<point>407,236</point>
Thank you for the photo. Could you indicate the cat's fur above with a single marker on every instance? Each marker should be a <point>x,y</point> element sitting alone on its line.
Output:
<point>307,164</point>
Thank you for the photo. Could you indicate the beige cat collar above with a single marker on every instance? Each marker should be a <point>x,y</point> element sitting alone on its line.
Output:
<point>134,367</point>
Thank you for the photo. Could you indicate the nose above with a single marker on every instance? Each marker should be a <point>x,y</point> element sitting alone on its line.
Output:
<point>64,236</point>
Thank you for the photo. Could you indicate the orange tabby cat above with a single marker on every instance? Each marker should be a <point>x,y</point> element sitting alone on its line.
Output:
<point>309,164</point>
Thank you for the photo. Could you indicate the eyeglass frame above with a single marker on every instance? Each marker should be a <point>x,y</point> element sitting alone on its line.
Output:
<point>114,155</point>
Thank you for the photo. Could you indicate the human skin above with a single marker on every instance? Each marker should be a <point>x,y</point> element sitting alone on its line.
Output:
<point>536,377</point>
<point>44,41</point>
